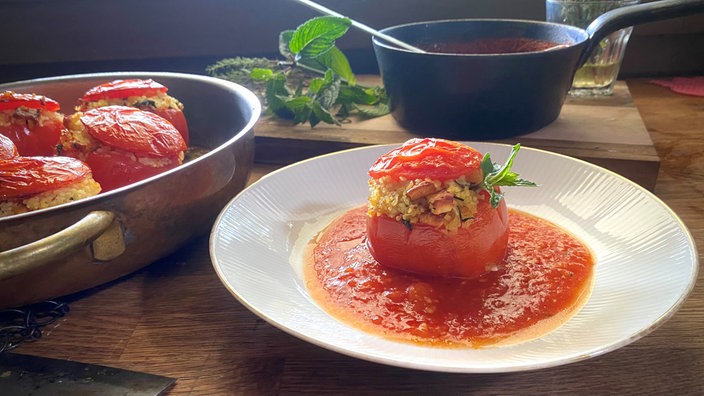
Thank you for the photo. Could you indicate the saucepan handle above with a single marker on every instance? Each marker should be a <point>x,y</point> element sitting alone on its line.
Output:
<point>90,229</point>
<point>623,17</point>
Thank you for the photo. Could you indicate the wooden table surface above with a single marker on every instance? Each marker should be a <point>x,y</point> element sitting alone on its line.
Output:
<point>175,318</point>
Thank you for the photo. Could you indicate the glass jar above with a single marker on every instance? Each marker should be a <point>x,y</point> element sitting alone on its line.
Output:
<point>599,73</point>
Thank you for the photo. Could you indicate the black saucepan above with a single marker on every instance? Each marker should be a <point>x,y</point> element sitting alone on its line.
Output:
<point>492,96</point>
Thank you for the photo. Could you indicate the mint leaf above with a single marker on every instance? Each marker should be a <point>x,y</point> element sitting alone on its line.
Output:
<point>336,61</point>
<point>500,175</point>
<point>322,59</point>
<point>276,94</point>
<point>327,95</point>
<point>377,110</point>
<point>300,108</point>
<point>260,74</point>
<point>285,44</point>
<point>317,36</point>
<point>358,95</point>
<point>321,114</point>
<point>316,84</point>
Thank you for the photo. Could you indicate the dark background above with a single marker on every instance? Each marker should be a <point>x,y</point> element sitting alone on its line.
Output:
<point>43,38</point>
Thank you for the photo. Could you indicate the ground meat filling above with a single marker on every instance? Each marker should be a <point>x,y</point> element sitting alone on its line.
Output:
<point>450,204</point>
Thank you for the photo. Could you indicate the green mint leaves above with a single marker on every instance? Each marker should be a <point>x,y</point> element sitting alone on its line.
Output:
<point>496,175</point>
<point>315,84</point>
<point>313,43</point>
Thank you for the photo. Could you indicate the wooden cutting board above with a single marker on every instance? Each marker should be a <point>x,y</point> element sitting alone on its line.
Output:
<point>606,131</point>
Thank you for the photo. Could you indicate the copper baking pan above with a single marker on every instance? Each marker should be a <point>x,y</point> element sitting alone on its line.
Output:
<point>72,247</point>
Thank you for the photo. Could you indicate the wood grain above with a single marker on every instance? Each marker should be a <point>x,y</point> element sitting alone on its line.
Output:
<point>175,318</point>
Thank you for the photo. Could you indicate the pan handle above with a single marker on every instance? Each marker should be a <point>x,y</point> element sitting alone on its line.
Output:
<point>623,17</point>
<point>98,228</point>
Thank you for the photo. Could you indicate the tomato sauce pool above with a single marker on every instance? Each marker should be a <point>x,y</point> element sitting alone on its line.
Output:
<point>499,45</point>
<point>545,278</point>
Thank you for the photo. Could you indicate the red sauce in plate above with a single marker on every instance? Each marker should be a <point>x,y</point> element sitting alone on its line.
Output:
<point>500,45</point>
<point>545,278</point>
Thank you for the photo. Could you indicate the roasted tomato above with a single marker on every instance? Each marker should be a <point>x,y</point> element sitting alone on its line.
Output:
<point>32,122</point>
<point>147,95</point>
<point>127,144</point>
<point>7,148</point>
<point>430,213</point>
<point>429,158</point>
<point>120,89</point>
<point>115,168</point>
<point>11,100</point>
<point>175,117</point>
<point>133,130</point>
<point>25,176</point>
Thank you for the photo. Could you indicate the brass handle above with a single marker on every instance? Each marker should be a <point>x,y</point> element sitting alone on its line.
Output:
<point>98,229</point>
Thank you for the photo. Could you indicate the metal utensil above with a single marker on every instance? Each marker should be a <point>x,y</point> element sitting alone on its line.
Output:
<point>361,26</point>
<point>25,375</point>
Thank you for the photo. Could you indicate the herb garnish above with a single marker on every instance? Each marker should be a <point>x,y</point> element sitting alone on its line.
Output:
<point>314,84</point>
<point>496,175</point>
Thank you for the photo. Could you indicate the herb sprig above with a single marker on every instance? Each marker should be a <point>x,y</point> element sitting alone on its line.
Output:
<point>496,175</point>
<point>314,84</point>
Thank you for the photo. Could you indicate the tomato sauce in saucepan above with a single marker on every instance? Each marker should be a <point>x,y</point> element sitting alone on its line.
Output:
<point>545,278</point>
<point>485,46</point>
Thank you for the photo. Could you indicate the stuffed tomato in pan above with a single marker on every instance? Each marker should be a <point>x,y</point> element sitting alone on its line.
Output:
<point>123,145</point>
<point>33,183</point>
<point>32,122</point>
<point>102,238</point>
<point>436,208</point>
<point>144,94</point>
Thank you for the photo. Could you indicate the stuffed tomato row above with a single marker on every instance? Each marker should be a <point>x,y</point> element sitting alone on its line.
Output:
<point>47,158</point>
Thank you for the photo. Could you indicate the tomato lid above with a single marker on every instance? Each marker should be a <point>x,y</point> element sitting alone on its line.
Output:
<point>133,130</point>
<point>431,158</point>
<point>11,100</point>
<point>124,88</point>
<point>23,176</point>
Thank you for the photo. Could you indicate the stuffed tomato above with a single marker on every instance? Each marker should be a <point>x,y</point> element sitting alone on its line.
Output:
<point>32,122</point>
<point>123,145</point>
<point>33,183</point>
<point>435,208</point>
<point>144,94</point>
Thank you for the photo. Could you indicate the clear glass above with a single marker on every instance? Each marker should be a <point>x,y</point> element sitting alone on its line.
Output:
<point>598,75</point>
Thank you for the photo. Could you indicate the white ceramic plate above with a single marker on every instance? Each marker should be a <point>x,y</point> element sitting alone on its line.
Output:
<point>646,259</point>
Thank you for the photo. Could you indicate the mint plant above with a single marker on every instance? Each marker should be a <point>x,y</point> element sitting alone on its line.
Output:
<point>314,83</point>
